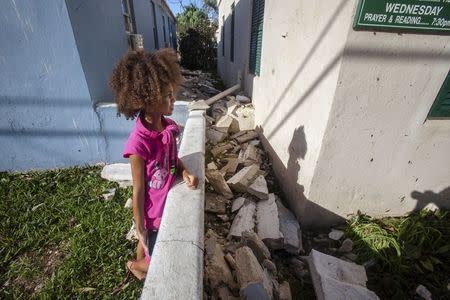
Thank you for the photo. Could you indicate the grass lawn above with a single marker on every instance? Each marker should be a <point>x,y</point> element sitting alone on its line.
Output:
<point>72,244</point>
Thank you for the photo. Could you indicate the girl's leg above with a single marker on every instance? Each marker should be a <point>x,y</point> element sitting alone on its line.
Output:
<point>140,251</point>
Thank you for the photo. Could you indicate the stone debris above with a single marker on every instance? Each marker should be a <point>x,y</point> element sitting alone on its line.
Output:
<point>211,166</point>
<point>347,246</point>
<point>215,203</point>
<point>249,155</point>
<point>270,266</point>
<point>254,291</point>
<point>252,240</point>
<point>285,291</point>
<point>109,195</point>
<point>230,260</point>
<point>241,180</point>
<point>219,184</point>
<point>334,278</point>
<point>198,105</point>
<point>237,204</point>
<point>215,136</point>
<point>250,271</point>
<point>230,167</point>
<point>129,203</point>
<point>247,137</point>
<point>220,149</point>
<point>224,123</point>
<point>259,188</point>
<point>244,220</point>
<point>243,99</point>
<point>131,235</point>
<point>423,292</point>
<point>290,229</point>
<point>336,234</point>
<point>217,271</point>
<point>268,224</point>
<point>117,172</point>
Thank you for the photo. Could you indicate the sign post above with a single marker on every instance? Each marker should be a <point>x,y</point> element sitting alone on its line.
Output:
<point>425,16</point>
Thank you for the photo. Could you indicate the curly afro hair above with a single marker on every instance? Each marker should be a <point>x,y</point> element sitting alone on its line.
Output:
<point>140,77</point>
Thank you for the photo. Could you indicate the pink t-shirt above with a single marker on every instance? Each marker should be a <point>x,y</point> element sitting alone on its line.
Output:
<point>159,150</point>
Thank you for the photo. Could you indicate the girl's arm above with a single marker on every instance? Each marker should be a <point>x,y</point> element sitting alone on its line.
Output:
<point>138,175</point>
<point>191,180</point>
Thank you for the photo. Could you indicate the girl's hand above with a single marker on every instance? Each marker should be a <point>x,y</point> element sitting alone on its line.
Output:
<point>142,237</point>
<point>191,180</point>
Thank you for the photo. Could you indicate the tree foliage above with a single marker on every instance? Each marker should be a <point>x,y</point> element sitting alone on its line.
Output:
<point>196,38</point>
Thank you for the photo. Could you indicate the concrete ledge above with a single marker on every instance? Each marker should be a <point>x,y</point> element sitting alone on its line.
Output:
<point>176,268</point>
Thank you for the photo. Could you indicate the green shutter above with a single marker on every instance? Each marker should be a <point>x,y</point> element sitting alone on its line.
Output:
<point>441,106</point>
<point>256,37</point>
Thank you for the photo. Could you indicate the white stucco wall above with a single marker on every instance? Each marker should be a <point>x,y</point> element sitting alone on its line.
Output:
<point>227,69</point>
<point>301,57</point>
<point>330,99</point>
<point>379,155</point>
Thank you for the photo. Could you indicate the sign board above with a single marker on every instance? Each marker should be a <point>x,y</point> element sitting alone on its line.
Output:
<point>427,16</point>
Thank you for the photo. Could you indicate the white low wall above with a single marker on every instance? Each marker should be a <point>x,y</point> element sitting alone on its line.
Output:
<point>176,268</point>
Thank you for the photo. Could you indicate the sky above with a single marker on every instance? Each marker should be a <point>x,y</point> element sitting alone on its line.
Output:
<point>176,7</point>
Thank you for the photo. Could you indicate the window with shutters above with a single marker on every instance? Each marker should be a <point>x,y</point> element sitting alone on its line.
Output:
<point>441,106</point>
<point>155,26</point>
<point>223,35</point>
<point>232,34</point>
<point>256,37</point>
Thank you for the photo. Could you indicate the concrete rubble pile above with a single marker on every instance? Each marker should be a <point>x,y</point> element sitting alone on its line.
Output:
<point>248,224</point>
<point>250,221</point>
<point>197,85</point>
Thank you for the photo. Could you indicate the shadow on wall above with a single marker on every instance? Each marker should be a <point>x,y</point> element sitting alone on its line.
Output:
<point>294,192</point>
<point>431,200</point>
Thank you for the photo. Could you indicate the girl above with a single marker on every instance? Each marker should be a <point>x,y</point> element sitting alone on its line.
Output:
<point>143,85</point>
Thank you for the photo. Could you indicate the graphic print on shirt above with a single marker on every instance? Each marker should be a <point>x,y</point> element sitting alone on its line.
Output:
<point>159,176</point>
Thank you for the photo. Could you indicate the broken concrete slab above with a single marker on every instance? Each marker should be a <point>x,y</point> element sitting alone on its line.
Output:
<point>219,184</point>
<point>237,204</point>
<point>210,243</point>
<point>230,260</point>
<point>268,224</point>
<point>220,149</point>
<point>270,266</point>
<point>290,229</point>
<point>252,240</point>
<point>238,134</point>
<point>217,271</point>
<point>243,99</point>
<point>334,278</point>
<point>198,105</point>
<point>215,136</point>
<point>347,246</point>
<point>215,203</point>
<point>224,123</point>
<point>335,234</point>
<point>285,291</point>
<point>248,270</point>
<point>129,203</point>
<point>259,188</point>
<point>211,166</point>
<point>131,235</point>
<point>249,155</point>
<point>244,220</point>
<point>230,167</point>
<point>241,123</point>
<point>254,291</point>
<point>241,180</point>
<point>247,137</point>
<point>117,172</point>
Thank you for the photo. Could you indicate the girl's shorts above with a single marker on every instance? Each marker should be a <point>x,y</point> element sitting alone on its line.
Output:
<point>151,240</point>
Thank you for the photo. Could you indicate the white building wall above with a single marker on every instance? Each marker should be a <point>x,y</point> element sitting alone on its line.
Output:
<point>325,89</point>
<point>380,155</point>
